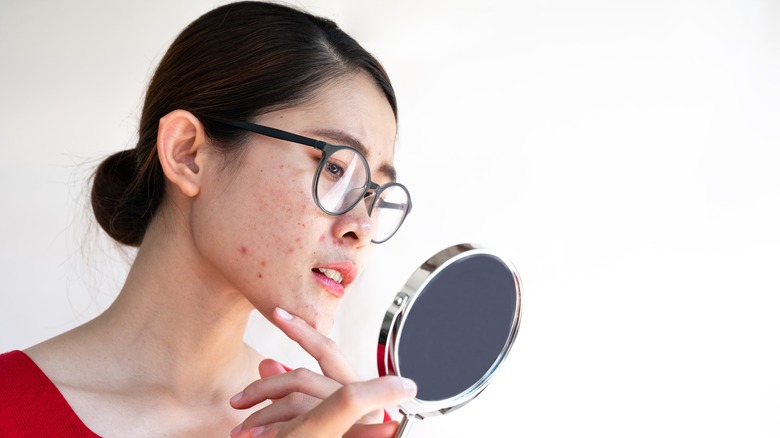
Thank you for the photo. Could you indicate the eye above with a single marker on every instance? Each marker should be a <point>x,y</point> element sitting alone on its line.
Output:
<point>333,169</point>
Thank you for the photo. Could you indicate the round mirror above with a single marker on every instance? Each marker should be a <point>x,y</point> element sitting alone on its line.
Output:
<point>450,328</point>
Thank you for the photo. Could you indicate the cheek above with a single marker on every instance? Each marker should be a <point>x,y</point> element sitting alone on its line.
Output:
<point>286,220</point>
<point>251,228</point>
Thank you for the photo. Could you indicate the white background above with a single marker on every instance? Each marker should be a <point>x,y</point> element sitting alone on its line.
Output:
<point>623,154</point>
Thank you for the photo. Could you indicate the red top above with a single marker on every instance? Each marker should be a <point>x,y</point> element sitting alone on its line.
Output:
<point>30,404</point>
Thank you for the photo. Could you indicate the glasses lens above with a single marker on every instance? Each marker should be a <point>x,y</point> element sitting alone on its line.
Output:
<point>389,211</point>
<point>342,181</point>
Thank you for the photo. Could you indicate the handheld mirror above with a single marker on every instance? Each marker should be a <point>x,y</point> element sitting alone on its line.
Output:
<point>450,328</point>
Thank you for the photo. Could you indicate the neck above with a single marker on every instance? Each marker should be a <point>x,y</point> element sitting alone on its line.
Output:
<point>175,324</point>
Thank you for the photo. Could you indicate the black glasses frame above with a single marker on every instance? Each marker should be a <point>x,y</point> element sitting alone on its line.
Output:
<point>370,189</point>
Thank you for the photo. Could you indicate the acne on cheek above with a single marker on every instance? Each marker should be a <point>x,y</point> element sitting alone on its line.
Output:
<point>337,242</point>
<point>245,251</point>
<point>262,264</point>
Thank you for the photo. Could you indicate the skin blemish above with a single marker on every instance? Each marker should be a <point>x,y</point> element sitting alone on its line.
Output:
<point>337,242</point>
<point>244,250</point>
<point>263,263</point>
<point>315,316</point>
<point>259,275</point>
<point>322,238</point>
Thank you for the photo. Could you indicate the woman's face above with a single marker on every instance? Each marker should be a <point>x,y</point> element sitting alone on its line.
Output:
<point>258,227</point>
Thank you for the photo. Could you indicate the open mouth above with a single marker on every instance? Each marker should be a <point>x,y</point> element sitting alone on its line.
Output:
<point>331,273</point>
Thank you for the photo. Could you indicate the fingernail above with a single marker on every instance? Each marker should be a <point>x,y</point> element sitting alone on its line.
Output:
<point>256,431</point>
<point>410,388</point>
<point>236,430</point>
<point>283,314</point>
<point>236,397</point>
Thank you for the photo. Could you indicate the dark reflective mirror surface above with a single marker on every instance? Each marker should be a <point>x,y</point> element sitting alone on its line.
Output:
<point>458,326</point>
<point>450,328</point>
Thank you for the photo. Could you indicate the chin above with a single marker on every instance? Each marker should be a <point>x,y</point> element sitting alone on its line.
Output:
<point>322,323</point>
<point>321,317</point>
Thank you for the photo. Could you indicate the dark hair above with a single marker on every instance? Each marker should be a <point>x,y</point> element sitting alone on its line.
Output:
<point>238,61</point>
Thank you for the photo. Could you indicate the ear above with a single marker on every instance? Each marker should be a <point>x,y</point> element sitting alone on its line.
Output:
<point>180,142</point>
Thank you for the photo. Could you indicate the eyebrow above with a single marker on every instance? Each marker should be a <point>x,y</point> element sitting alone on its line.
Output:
<point>346,139</point>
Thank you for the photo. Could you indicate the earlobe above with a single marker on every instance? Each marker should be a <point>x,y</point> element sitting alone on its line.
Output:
<point>180,139</point>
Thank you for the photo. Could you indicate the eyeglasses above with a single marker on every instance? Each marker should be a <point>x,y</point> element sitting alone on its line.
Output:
<point>343,179</point>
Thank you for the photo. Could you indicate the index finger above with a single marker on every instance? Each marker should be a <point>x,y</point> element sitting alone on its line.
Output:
<point>322,348</point>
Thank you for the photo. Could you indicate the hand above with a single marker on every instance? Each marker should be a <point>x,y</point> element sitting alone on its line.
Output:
<point>336,415</point>
<point>313,404</point>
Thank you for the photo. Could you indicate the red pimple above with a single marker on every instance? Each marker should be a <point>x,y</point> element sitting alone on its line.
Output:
<point>244,250</point>
<point>322,238</point>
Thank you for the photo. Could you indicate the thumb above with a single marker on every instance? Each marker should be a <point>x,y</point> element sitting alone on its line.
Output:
<point>270,367</point>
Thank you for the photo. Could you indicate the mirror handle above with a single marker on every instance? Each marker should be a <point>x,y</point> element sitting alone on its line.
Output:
<point>405,425</point>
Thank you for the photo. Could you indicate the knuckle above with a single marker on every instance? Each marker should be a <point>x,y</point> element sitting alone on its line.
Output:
<point>301,374</point>
<point>349,398</point>
<point>328,349</point>
<point>299,400</point>
<point>329,346</point>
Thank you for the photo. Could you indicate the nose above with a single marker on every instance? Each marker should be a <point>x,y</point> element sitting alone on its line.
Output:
<point>355,227</point>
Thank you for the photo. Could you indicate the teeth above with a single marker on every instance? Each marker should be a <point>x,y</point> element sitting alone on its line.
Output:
<point>333,275</point>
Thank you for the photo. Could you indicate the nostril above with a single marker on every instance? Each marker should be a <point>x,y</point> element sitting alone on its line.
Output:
<point>351,235</point>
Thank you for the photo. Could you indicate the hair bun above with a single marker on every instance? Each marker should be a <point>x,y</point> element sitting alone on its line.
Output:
<point>112,199</point>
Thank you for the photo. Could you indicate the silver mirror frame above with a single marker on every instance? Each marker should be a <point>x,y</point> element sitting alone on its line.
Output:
<point>393,325</point>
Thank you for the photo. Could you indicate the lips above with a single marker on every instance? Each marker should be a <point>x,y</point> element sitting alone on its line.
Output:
<point>332,274</point>
<point>335,277</point>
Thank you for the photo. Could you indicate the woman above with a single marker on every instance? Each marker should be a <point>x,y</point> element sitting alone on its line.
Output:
<point>238,198</point>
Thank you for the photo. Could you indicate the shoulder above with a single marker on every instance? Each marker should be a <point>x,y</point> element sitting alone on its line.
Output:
<point>30,404</point>
<point>17,371</point>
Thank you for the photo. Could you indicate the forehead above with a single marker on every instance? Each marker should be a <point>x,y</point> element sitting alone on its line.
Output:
<point>351,111</point>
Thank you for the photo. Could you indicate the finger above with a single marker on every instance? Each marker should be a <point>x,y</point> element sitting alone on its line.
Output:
<point>270,367</point>
<point>300,380</point>
<point>332,363</point>
<point>284,409</point>
<point>336,415</point>
<point>267,368</point>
